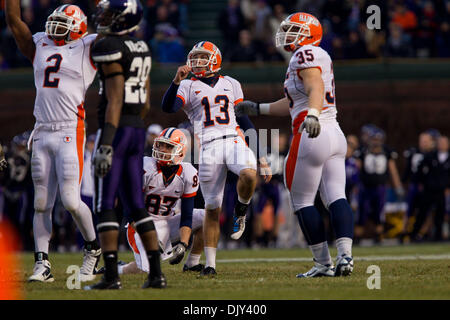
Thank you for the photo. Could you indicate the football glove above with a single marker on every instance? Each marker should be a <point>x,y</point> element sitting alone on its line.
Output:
<point>311,125</point>
<point>178,253</point>
<point>247,107</point>
<point>3,162</point>
<point>103,160</point>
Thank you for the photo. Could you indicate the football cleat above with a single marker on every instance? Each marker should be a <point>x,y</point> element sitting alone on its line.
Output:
<point>158,282</point>
<point>90,262</point>
<point>319,270</point>
<point>102,269</point>
<point>238,227</point>
<point>197,268</point>
<point>208,272</point>
<point>42,272</point>
<point>344,266</point>
<point>105,285</point>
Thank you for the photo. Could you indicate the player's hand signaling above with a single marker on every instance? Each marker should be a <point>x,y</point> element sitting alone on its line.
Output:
<point>181,74</point>
<point>247,107</point>
<point>3,162</point>
<point>103,160</point>
<point>311,124</point>
<point>264,170</point>
<point>178,253</point>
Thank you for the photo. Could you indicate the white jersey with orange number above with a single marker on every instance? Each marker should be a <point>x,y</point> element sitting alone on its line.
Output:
<point>161,195</point>
<point>62,74</point>
<point>303,58</point>
<point>211,108</point>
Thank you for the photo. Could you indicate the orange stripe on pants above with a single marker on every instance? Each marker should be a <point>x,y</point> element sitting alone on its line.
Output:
<point>131,239</point>
<point>80,139</point>
<point>292,159</point>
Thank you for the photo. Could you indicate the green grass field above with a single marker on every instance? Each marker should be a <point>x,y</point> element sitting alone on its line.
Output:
<point>407,272</point>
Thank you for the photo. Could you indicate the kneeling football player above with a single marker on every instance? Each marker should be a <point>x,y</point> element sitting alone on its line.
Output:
<point>166,180</point>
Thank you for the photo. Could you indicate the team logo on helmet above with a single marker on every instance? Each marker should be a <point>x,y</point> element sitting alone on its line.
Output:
<point>169,148</point>
<point>204,59</point>
<point>66,24</point>
<point>297,30</point>
<point>118,16</point>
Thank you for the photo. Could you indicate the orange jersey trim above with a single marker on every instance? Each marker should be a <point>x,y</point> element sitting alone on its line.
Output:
<point>184,101</point>
<point>80,139</point>
<point>238,101</point>
<point>189,195</point>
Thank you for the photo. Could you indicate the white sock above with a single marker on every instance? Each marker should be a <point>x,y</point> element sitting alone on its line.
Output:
<point>344,246</point>
<point>193,260</point>
<point>83,219</point>
<point>210,255</point>
<point>120,269</point>
<point>241,200</point>
<point>321,253</point>
<point>42,230</point>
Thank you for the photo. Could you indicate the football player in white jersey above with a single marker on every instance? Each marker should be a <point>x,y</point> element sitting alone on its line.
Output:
<point>169,187</point>
<point>63,71</point>
<point>316,157</point>
<point>208,100</point>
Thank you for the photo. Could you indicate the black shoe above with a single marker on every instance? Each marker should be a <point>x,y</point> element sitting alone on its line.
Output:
<point>105,285</point>
<point>208,272</point>
<point>197,268</point>
<point>155,282</point>
<point>102,269</point>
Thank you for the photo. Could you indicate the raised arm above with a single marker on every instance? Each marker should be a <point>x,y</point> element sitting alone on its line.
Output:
<point>19,29</point>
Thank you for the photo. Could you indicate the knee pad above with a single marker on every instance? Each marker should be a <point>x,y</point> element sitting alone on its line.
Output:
<point>70,168</point>
<point>41,198</point>
<point>142,221</point>
<point>107,221</point>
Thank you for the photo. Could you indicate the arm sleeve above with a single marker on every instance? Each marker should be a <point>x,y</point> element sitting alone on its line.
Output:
<point>187,208</point>
<point>106,50</point>
<point>171,103</point>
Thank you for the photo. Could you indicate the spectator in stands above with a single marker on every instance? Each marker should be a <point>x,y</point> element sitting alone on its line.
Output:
<point>427,31</point>
<point>167,45</point>
<point>279,14</point>
<point>404,18</point>
<point>443,40</point>
<point>231,22</point>
<point>245,51</point>
<point>355,47</point>
<point>399,44</point>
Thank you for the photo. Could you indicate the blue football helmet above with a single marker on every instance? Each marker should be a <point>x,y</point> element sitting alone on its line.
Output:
<point>118,17</point>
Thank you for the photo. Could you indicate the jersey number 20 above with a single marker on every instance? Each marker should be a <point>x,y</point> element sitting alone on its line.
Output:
<point>135,89</point>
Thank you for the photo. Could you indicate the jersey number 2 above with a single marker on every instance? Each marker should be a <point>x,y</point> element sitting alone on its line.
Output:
<point>52,69</point>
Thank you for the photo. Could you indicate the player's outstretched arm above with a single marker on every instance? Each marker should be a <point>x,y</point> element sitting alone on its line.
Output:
<point>19,29</point>
<point>114,85</point>
<point>278,108</point>
<point>146,108</point>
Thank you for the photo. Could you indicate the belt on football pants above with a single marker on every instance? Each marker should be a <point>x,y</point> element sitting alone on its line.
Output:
<point>227,136</point>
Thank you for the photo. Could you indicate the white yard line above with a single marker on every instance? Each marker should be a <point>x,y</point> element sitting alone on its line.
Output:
<point>357,258</point>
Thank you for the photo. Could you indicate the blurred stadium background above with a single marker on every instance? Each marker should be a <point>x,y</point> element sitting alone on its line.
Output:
<point>396,78</point>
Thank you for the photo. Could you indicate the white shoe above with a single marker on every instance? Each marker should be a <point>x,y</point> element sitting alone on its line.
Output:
<point>319,270</point>
<point>42,272</point>
<point>238,227</point>
<point>344,265</point>
<point>90,261</point>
